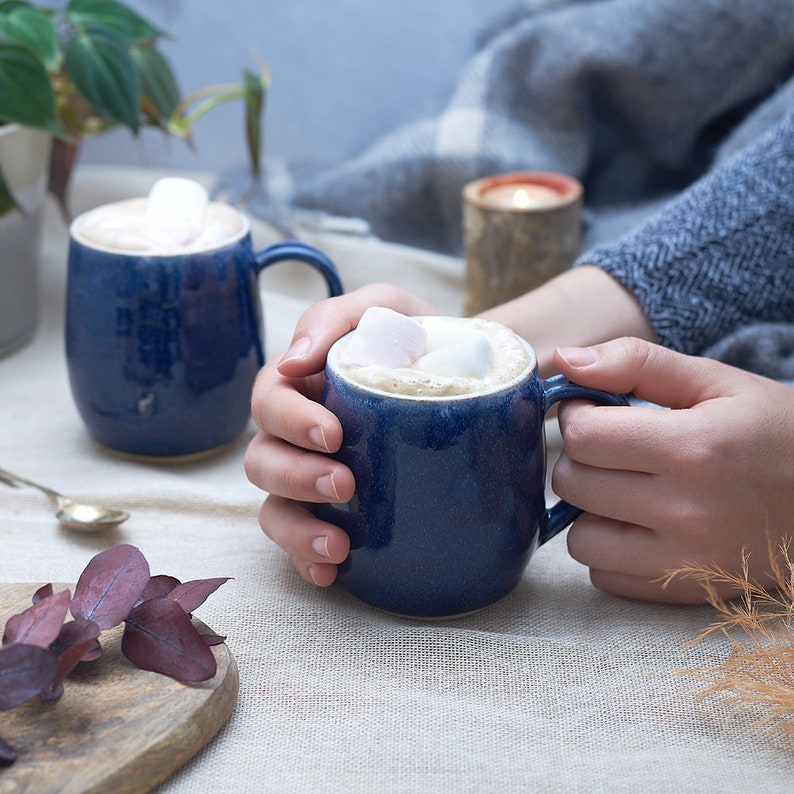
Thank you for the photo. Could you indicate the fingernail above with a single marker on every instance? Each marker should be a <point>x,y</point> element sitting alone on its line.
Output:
<point>578,357</point>
<point>317,437</point>
<point>297,350</point>
<point>320,546</point>
<point>327,487</point>
<point>311,571</point>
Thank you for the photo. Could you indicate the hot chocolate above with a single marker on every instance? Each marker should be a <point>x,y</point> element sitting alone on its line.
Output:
<point>432,357</point>
<point>176,218</point>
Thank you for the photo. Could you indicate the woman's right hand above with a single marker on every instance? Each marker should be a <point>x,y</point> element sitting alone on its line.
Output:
<point>286,458</point>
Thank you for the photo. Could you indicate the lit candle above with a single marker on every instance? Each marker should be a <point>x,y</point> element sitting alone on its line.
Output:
<point>519,230</point>
<point>521,196</point>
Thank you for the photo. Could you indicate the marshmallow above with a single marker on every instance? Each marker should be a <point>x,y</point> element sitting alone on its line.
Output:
<point>385,338</point>
<point>175,211</point>
<point>470,355</point>
<point>443,333</point>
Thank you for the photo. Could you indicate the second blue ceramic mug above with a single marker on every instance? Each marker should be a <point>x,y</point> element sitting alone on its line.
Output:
<point>162,350</point>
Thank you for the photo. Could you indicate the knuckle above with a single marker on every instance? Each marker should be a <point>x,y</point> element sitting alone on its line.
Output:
<point>249,464</point>
<point>696,525</point>
<point>688,521</point>
<point>292,483</point>
<point>327,309</point>
<point>561,478</point>
<point>266,517</point>
<point>259,402</point>
<point>705,453</point>
<point>278,519</point>
<point>576,433</point>
<point>638,350</point>
<point>576,542</point>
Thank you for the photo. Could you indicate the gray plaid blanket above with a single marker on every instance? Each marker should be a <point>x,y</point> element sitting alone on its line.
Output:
<point>636,98</point>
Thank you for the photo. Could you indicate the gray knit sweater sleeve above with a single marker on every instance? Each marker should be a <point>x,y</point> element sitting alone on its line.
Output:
<point>720,256</point>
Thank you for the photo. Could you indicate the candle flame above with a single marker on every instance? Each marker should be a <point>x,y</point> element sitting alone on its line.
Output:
<point>521,199</point>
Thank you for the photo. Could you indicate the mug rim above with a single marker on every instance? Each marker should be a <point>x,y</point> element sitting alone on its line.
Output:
<point>332,365</point>
<point>76,236</point>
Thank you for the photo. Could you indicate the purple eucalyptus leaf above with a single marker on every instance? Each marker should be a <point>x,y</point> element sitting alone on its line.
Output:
<point>38,624</point>
<point>110,585</point>
<point>193,594</point>
<point>25,670</point>
<point>159,636</point>
<point>7,753</point>
<point>158,586</point>
<point>72,645</point>
<point>75,632</point>
<point>213,639</point>
<point>44,591</point>
<point>52,692</point>
<point>93,653</point>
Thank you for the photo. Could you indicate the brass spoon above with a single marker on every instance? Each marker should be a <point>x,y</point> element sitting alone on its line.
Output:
<point>72,514</point>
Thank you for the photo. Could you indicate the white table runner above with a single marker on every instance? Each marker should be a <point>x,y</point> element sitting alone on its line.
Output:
<point>556,688</point>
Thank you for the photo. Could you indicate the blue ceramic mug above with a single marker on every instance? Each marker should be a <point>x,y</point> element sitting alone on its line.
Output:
<point>162,350</point>
<point>450,491</point>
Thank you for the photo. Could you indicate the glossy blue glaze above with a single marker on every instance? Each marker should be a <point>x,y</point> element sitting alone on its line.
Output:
<point>162,351</point>
<point>450,493</point>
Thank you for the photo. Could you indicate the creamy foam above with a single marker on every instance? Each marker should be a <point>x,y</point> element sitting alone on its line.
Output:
<point>127,227</point>
<point>508,357</point>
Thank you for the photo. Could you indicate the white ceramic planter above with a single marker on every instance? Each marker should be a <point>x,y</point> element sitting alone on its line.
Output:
<point>24,159</point>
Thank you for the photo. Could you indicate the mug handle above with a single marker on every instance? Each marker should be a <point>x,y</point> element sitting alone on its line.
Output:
<point>557,388</point>
<point>294,249</point>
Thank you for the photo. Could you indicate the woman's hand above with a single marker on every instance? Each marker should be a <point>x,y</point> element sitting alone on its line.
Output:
<point>664,488</point>
<point>285,457</point>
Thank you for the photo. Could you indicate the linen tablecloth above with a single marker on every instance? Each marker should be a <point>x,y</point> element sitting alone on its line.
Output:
<point>556,688</point>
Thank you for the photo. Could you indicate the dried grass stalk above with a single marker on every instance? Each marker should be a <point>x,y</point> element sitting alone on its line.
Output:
<point>759,669</point>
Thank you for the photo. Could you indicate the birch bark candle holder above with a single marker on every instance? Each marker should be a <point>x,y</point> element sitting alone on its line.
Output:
<point>519,230</point>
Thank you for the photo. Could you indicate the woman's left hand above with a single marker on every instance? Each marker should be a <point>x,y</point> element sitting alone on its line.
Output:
<point>701,484</point>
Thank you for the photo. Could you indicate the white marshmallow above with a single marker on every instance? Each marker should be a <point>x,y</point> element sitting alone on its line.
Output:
<point>443,333</point>
<point>385,338</point>
<point>175,211</point>
<point>469,356</point>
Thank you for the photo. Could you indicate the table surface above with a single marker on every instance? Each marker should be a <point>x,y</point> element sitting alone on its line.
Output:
<point>556,688</point>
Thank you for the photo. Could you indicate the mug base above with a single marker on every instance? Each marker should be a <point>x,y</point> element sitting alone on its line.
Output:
<point>433,618</point>
<point>168,460</point>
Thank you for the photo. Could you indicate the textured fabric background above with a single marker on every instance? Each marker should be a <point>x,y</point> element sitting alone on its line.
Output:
<point>557,688</point>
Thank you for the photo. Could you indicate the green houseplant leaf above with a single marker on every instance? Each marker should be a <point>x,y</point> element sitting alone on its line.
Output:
<point>26,95</point>
<point>160,91</point>
<point>114,15</point>
<point>102,70</point>
<point>7,6</point>
<point>254,93</point>
<point>33,29</point>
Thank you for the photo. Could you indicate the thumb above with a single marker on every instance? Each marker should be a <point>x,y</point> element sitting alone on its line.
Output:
<point>328,320</point>
<point>652,372</point>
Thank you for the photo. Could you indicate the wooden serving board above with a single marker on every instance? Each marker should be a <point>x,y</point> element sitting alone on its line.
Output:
<point>115,728</point>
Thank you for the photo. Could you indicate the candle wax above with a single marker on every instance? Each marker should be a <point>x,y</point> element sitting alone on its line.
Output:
<point>520,195</point>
